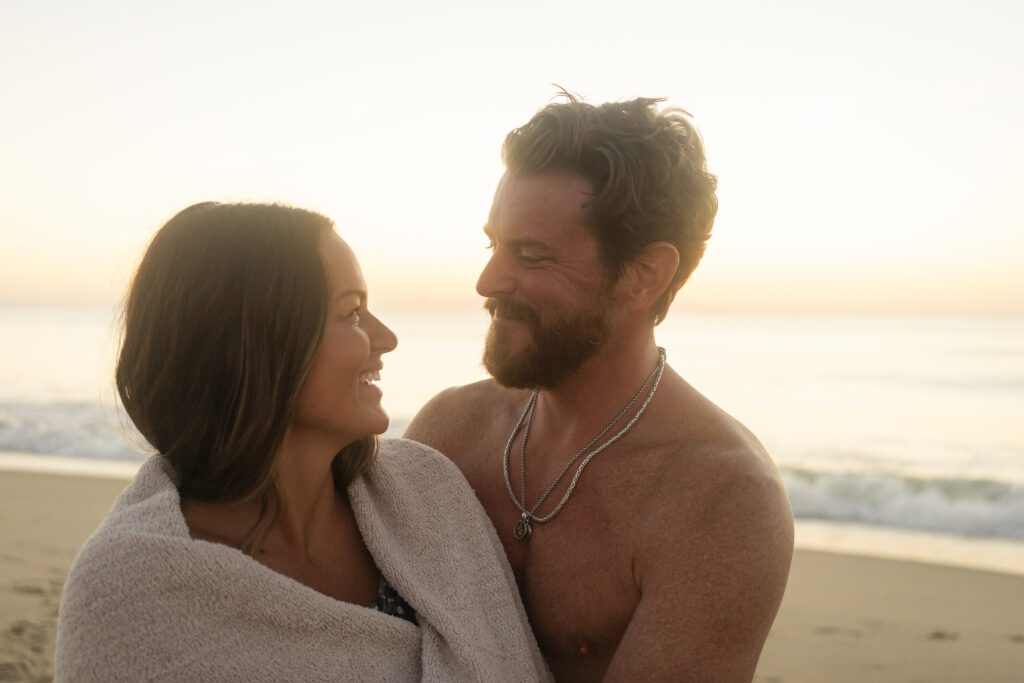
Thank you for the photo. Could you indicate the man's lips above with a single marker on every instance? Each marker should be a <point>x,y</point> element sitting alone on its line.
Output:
<point>510,311</point>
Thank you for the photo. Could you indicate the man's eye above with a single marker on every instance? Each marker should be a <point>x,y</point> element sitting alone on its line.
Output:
<point>531,259</point>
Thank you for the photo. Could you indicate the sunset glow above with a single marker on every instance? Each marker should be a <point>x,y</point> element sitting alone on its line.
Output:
<point>869,156</point>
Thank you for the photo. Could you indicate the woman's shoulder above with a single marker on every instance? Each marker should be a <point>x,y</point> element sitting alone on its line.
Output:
<point>407,448</point>
<point>148,507</point>
<point>413,457</point>
<point>415,471</point>
<point>150,504</point>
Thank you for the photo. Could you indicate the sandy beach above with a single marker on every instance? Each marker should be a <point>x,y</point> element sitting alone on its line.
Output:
<point>44,519</point>
<point>844,619</point>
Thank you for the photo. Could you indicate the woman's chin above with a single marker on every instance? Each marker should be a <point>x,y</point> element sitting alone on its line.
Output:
<point>377,424</point>
<point>383,427</point>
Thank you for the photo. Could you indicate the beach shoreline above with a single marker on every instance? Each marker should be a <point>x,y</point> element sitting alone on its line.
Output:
<point>1001,555</point>
<point>845,617</point>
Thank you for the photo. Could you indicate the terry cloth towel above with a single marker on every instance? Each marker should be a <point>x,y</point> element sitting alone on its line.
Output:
<point>146,602</point>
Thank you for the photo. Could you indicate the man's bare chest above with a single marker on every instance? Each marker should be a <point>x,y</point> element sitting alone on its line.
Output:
<point>575,572</point>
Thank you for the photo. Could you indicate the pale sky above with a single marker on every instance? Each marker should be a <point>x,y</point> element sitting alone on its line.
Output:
<point>870,155</point>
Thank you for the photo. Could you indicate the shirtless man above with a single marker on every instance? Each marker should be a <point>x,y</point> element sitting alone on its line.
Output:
<point>648,530</point>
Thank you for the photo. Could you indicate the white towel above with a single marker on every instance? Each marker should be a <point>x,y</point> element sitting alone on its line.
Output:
<point>146,602</point>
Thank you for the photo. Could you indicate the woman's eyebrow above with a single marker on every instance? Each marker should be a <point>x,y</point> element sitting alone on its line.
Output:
<point>361,293</point>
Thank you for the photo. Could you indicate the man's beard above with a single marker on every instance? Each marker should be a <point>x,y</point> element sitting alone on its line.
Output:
<point>561,343</point>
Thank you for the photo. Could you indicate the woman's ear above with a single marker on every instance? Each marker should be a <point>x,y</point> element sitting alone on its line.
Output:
<point>648,275</point>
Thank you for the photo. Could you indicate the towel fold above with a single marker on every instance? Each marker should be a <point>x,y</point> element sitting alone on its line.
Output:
<point>146,602</point>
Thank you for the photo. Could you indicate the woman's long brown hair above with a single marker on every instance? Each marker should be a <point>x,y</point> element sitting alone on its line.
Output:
<point>220,326</point>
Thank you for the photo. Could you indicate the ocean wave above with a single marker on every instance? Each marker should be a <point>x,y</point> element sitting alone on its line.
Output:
<point>980,506</point>
<point>78,429</point>
<point>967,506</point>
<point>82,430</point>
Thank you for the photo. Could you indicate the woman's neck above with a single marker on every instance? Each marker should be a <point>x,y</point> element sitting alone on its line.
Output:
<point>309,512</point>
<point>310,503</point>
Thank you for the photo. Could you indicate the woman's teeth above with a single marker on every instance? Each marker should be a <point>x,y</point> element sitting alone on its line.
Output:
<point>369,377</point>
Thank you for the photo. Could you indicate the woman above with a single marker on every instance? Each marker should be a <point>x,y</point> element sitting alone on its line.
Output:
<point>270,538</point>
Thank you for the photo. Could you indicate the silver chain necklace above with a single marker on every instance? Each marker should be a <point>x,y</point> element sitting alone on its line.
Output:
<point>522,529</point>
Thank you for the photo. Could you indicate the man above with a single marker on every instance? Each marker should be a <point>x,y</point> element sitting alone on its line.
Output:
<point>648,531</point>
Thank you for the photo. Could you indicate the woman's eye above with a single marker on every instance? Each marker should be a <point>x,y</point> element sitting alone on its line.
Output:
<point>353,317</point>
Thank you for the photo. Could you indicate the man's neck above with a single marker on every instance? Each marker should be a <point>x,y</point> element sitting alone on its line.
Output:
<point>584,402</point>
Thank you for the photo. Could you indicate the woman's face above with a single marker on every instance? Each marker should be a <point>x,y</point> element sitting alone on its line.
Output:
<point>338,400</point>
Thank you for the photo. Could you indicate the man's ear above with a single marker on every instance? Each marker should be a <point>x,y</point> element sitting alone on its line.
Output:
<point>648,275</point>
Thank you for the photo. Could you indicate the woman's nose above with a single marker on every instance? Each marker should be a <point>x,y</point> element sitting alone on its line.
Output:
<point>382,338</point>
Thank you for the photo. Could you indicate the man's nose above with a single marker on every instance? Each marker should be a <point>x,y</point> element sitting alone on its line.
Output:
<point>495,279</point>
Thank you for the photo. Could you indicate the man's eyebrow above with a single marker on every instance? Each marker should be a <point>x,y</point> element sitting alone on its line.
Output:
<point>517,242</point>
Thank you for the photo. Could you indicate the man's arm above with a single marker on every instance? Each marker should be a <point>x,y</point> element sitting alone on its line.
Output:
<point>709,600</point>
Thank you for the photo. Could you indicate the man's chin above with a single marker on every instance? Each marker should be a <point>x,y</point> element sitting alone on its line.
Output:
<point>506,360</point>
<point>510,376</point>
<point>525,356</point>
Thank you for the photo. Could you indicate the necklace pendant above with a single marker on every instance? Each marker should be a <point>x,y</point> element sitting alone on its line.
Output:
<point>521,531</point>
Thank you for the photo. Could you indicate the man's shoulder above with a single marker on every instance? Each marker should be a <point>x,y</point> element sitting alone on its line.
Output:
<point>709,466</point>
<point>445,420</point>
<point>714,539</point>
<point>722,455</point>
<point>698,433</point>
<point>464,397</point>
<point>458,404</point>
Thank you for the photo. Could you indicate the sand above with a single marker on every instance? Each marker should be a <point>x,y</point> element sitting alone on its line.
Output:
<point>844,619</point>
<point>44,519</point>
<point>859,620</point>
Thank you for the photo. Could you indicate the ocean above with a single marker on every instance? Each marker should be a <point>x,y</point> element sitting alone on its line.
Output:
<point>899,437</point>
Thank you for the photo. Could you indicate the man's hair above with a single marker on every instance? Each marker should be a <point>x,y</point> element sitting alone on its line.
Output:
<point>219,329</point>
<point>647,168</point>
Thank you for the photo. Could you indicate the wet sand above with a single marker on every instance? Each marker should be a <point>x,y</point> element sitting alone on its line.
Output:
<point>845,618</point>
